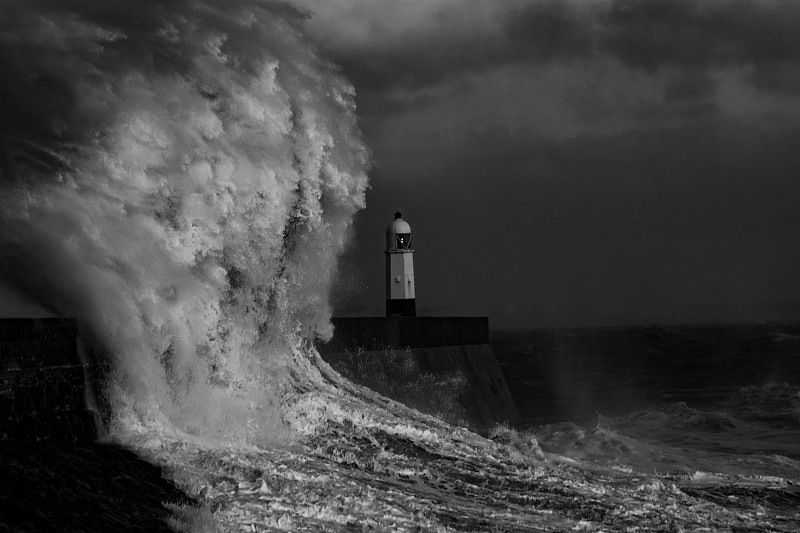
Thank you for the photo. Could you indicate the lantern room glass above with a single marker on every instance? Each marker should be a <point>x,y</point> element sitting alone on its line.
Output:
<point>403,241</point>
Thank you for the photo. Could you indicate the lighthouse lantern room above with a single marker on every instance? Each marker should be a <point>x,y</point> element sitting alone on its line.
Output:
<point>400,299</point>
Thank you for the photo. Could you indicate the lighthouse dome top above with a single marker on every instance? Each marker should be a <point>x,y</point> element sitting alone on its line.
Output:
<point>398,235</point>
<point>398,226</point>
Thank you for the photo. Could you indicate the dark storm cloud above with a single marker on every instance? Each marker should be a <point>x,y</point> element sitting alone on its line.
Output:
<point>650,33</point>
<point>643,34</point>
<point>777,77</point>
<point>539,32</point>
<point>638,226</point>
<point>613,161</point>
<point>689,85</point>
<point>675,216</point>
<point>549,30</point>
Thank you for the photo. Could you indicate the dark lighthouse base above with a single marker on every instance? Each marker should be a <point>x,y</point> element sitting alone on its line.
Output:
<point>405,307</point>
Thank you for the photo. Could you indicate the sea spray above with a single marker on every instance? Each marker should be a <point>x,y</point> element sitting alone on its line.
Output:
<point>180,177</point>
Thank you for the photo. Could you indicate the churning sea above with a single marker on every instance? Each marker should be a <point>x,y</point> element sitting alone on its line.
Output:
<point>673,396</point>
<point>559,375</point>
<point>669,429</point>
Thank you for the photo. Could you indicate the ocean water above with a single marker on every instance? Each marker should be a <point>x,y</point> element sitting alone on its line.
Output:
<point>727,389</point>
<point>680,455</point>
<point>713,451</point>
<point>181,180</point>
<point>575,374</point>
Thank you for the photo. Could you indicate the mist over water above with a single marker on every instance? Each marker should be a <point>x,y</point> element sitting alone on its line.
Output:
<point>180,177</point>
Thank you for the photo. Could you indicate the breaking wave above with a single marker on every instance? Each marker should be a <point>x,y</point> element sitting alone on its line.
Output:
<point>180,177</point>
<point>752,432</point>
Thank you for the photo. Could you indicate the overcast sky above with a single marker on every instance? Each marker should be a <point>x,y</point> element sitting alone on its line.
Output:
<point>577,162</point>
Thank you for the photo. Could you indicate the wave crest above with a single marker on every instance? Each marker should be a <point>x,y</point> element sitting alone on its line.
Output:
<point>181,180</point>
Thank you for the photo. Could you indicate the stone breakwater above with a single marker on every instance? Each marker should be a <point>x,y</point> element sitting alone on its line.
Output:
<point>44,382</point>
<point>442,366</point>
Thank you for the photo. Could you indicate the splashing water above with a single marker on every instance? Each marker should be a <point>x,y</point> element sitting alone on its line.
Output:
<point>180,177</point>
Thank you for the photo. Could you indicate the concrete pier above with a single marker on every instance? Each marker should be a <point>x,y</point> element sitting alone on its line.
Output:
<point>376,351</point>
<point>375,333</point>
<point>445,362</point>
<point>43,382</point>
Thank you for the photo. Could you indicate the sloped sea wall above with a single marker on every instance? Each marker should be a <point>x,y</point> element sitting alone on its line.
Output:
<point>440,365</point>
<point>43,382</point>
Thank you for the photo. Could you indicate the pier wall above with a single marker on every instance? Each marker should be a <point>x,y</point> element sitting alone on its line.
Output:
<point>380,352</point>
<point>374,333</point>
<point>447,362</point>
<point>43,382</point>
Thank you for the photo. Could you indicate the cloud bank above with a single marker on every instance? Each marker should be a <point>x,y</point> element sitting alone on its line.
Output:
<point>644,148</point>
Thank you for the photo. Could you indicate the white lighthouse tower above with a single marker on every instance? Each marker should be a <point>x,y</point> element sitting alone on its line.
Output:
<point>399,269</point>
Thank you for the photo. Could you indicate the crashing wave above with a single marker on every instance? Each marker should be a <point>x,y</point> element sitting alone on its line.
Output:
<point>181,179</point>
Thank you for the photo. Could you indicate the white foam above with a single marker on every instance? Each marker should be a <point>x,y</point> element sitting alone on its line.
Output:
<point>180,180</point>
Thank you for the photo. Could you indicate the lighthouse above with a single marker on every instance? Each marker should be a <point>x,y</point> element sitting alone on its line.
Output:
<point>399,269</point>
<point>447,347</point>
